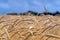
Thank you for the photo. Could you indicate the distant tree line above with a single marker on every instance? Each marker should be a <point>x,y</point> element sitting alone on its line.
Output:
<point>35,13</point>
<point>12,13</point>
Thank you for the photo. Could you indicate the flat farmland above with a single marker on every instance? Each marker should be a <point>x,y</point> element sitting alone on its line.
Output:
<point>19,27</point>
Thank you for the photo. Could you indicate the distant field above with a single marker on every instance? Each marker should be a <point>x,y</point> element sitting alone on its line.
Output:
<point>44,27</point>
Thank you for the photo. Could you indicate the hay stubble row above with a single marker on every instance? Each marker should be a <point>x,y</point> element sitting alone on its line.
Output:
<point>29,27</point>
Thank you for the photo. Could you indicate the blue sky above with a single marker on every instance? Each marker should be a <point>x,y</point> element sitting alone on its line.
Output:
<point>18,6</point>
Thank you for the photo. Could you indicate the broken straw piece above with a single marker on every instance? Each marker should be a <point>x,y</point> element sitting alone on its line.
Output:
<point>30,27</point>
<point>7,34</point>
<point>54,36</point>
<point>1,38</point>
<point>27,36</point>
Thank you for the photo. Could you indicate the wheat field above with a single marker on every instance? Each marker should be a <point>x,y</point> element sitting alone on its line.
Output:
<point>19,27</point>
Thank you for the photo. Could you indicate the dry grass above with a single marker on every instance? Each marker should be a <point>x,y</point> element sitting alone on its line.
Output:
<point>29,27</point>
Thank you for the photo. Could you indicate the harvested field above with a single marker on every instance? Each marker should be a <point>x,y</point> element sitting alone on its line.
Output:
<point>29,27</point>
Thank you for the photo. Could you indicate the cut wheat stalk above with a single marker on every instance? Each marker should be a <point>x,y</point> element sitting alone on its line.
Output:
<point>1,17</point>
<point>20,36</point>
<point>4,26</point>
<point>14,34</point>
<point>8,24</point>
<point>47,38</point>
<point>51,18</point>
<point>12,26</point>
<point>25,38</point>
<point>31,32</point>
<point>49,26</point>
<point>8,36</point>
<point>2,22</point>
<point>1,38</point>
<point>54,36</point>
<point>2,34</point>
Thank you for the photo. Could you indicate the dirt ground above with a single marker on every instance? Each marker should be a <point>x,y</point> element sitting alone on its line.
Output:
<point>44,27</point>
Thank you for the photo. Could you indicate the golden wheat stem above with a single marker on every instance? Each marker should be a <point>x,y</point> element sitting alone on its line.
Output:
<point>54,36</point>
<point>1,38</point>
<point>7,34</point>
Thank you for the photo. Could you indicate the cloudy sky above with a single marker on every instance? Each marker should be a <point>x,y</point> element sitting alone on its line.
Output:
<point>25,5</point>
